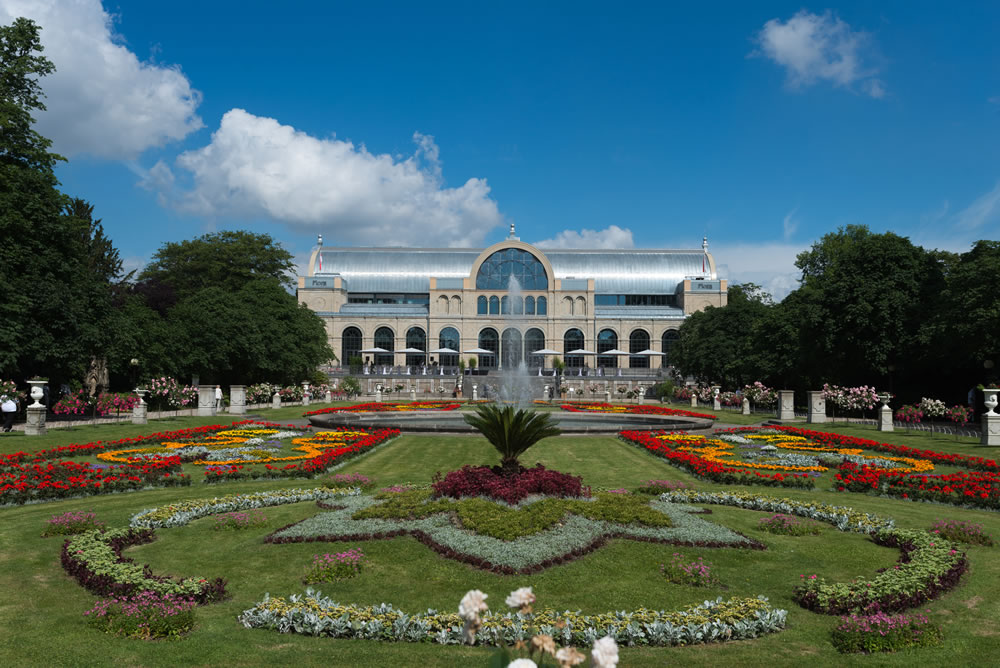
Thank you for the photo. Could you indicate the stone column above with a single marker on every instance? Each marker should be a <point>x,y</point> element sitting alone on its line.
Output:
<point>746,406</point>
<point>817,407</point>
<point>607,396</point>
<point>786,405</point>
<point>378,394</point>
<point>694,399</point>
<point>206,400</point>
<point>238,399</point>
<point>139,410</point>
<point>991,420</point>
<point>413,393</point>
<point>885,418</point>
<point>276,401</point>
<point>305,393</point>
<point>716,404</point>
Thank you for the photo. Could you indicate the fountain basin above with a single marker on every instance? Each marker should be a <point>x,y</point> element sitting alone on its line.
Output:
<point>452,422</point>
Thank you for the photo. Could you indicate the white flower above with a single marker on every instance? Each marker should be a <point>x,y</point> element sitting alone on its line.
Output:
<point>472,604</point>
<point>605,653</point>
<point>568,656</point>
<point>522,663</point>
<point>520,598</point>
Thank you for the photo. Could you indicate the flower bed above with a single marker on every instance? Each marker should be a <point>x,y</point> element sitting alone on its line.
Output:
<point>688,459</point>
<point>483,481</point>
<point>569,539</point>
<point>146,615</point>
<point>95,560</point>
<point>711,621</point>
<point>633,410</point>
<point>391,408</point>
<point>928,565</point>
<point>977,489</point>
<point>879,632</point>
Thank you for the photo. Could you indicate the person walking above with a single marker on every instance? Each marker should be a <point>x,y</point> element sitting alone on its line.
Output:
<point>218,398</point>
<point>9,409</point>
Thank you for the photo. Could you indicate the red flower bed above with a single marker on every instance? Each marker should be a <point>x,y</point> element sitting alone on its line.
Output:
<point>484,481</point>
<point>979,489</point>
<point>713,471</point>
<point>306,469</point>
<point>390,408</point>
<point>633,410</point>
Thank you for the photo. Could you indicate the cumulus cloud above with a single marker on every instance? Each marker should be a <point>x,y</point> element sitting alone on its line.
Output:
<point>820,47</point>
<point>610,237</point>
<point>102,100</point>
<point>255,167</point>
<point>770,265</point>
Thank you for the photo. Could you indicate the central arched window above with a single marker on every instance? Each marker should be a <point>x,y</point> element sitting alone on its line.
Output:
<point>499,268</point>
<point>489,340</point>
<point>449,339</point>
<point>572,340</point>
<point>350,346</point>
<point>512,348</point>
<point>534,339</point>
<point>386,340</point>
<point>416,339</point>
<point>607,340</point>
<point>638,341</point>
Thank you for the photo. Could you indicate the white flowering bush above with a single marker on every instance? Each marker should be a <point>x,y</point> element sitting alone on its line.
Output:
<point>933,408</point>
<point>859,398</point>
<point>760,394</point>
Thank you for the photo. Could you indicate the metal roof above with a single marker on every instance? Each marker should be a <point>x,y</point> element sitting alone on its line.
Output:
<point>418,310</point>
<point>408,270</point>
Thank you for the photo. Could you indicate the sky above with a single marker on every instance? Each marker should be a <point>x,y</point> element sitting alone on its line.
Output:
<point>762,126</point>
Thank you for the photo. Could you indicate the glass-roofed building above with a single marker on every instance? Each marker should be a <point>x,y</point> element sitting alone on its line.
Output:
<point>510,299</point>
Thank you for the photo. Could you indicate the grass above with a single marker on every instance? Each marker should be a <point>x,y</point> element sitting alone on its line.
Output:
<point>42,613</point>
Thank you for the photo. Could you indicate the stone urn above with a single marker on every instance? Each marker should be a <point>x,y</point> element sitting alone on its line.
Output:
<point>37,392</point>
<point>142,395</point>
<point>990,398</point>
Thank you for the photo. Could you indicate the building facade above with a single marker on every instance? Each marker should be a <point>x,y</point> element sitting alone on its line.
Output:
<point>510,299</point>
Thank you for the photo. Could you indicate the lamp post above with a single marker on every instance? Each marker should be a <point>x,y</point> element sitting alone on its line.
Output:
<point>134,368</point>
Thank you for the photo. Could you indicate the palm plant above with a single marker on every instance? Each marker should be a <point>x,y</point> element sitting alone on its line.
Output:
<point>512,431</point>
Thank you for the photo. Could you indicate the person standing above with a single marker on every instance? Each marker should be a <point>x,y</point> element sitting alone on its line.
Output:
<point>9,408</point>
<point>218,398</point>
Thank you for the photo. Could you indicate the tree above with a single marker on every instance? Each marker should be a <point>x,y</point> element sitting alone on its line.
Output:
<point>227,260</point>
<point>717,344</point>
<point>55,262</point>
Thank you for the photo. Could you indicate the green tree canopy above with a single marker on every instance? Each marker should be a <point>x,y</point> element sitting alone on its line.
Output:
<point>227,260</point>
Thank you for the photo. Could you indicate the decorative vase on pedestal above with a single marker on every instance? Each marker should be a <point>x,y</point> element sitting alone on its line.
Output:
<point>35,424</point>
<point>139,410</point>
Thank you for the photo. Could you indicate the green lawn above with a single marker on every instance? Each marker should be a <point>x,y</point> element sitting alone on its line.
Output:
<point>42,611</point>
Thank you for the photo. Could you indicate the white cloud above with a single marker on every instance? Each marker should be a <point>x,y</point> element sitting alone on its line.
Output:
<point>985,209</point>
<point>610,237</point>
<point>789,225</point>
<point>102,100</point>
<point>770,265</point>
<point>256,167</point>
<point>819,47</point>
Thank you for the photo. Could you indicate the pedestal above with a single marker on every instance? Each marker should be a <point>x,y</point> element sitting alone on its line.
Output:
<point>139,413</point>
<point>694,400</point>
<point>885,418</point>
<point>276,401</point>
<point>607,397</point>
<point>328,397</point>
<point>817,407</point>
<point>746,406</point>
<point>378,396</point>
<point>413,395</point>
<point>475,393</point>
<point>991,430</point>
<point>716,404</point>
<point>35,426</point>
<point>786,405</point>
<point>206,400</point>
<point>238,399</point>
<point>306,394</point>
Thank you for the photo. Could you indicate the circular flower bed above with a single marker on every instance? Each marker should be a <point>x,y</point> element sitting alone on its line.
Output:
<point>633,410</point>
<point>391,408</point>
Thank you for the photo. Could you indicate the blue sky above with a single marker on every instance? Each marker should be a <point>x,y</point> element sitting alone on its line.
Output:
<point>761,125</point>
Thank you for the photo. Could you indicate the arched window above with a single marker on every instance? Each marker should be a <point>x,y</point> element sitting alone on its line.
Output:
<point>449,338</point>
<point>505,305</point>
<point>489,340</point>
<point>669,339</point>
<point>518,305</point>
<point>385,339</point>
<point>529,306</point>
<point>416,338</point>
<point>350,346</point>
<point>494,305</point>
<point>637,342</point>
<point>572,340</point>
<point>512,348</point>
<point>607,340</point>
<point>540,305</point>
<point>534,339</point>
<point>498,269</point>
<point>481,305</point>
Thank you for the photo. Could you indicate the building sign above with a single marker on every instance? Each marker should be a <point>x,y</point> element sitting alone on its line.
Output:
<point>705,285</point>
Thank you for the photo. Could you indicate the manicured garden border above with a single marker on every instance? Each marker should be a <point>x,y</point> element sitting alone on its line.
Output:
<point>640,409</point>
<point>711,621</point>
<point>389,407</point>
